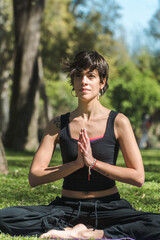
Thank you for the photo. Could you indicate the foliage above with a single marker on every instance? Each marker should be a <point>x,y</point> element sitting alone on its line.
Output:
<point>155,65</point>
<point>134,93</point>
<point>57,25</point>
<point>18,192</point>
<point>70,26</point>
<point>153,33</point>
<point>80,27</point>
<point>154,25</point>
<point>133,86</point>
<point>96,24</point>
<point>59,93</point>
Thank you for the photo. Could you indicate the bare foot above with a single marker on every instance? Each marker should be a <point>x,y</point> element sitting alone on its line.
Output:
<point>79,231</point>
<point>79,227</point>
<point>67,233</point>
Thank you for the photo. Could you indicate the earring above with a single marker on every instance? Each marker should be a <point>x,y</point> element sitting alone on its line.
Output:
<point>72,93</point>
<point>101,92</point>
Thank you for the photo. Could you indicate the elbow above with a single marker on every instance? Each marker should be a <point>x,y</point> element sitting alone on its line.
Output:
<point>140,181</point>
<point>32,180</point>
<point>140,184</point>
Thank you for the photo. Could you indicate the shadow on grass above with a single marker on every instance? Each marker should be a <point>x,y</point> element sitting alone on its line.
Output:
<point>10,152</point>
<point>24,159</point>
<point>149,167</point>
<point>18,163</point>
<point>24,195</point>
<point>152,168</point>
<point>151,158</point>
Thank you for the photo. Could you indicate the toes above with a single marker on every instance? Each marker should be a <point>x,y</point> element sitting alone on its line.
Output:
<point>80,226</point>
<point>48,235</point>
<point>43,236</point>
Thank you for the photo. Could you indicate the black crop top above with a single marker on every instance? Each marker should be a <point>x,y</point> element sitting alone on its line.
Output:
<point>104,149</point>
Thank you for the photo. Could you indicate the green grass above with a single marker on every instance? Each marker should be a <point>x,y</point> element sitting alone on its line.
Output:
<point>15,189</point>
<point>147,197</point>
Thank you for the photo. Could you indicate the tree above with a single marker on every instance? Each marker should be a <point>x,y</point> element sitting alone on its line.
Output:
<point>56,42</point>
<point>96,22</point>
<point>6,57</point>
<point>135,92</point>
<point>154,27</point>
<point>154,33</point>
<point>23,127</point>
<point>3,160</point>
<point>82,25</point>
<point>154,36</point>
<point>6,51</point>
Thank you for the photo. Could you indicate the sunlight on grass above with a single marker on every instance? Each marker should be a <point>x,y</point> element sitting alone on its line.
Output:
<point>7,237</point>
<point>15,189</point>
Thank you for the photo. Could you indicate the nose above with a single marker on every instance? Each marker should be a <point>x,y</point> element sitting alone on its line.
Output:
<point>84,80</point>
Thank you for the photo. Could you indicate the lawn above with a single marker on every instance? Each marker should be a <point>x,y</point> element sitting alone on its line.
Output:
<point>15,189</point>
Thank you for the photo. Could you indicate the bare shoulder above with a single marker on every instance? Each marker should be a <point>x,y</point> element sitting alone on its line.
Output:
<point>57,122</point>
<point>121,120</point>
<point>122,125</point>
<point>53,127</point>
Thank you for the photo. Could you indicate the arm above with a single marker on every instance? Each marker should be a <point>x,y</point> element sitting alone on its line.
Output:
<point>133,173</point>
<point>39,172</point>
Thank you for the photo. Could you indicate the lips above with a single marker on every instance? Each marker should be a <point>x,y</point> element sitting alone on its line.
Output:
<point>84,90</point>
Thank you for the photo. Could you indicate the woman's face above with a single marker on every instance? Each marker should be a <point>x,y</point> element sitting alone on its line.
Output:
<point>87,84</point>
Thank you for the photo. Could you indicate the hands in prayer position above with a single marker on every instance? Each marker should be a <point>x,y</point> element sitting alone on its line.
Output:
<point>84,149</point>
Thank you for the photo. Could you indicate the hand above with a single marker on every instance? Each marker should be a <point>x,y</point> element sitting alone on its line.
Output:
<point>80,159</point>
<point>85,148</point>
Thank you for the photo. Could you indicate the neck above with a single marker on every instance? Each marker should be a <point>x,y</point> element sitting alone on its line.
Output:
<point>89,109</point>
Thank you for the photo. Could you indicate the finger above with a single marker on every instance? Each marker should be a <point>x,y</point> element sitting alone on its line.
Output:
<point>81,139</point>
<point>85,135</point>
<point>84,138</point>
<point>82,149</point>
<point>80,135</point>
<point>79,147</point>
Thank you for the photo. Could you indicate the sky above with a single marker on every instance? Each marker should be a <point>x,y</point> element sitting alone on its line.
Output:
<point>135,15</point>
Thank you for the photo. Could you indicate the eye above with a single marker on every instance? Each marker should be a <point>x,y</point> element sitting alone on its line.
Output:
<point>91,75</point>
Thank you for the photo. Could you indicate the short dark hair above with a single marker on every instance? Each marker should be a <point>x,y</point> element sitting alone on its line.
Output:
<point>87,60</point>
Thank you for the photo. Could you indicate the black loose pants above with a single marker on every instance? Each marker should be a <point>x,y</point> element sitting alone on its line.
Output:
<point>114,215</point>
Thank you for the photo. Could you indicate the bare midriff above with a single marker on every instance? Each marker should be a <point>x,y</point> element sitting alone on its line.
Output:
<point>89,194</point>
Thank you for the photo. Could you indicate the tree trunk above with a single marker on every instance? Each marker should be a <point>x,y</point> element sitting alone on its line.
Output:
<point>22,132</point>
<point>5,66</point>
<point>43,90</point>
<point>3,160</point>
<point>4,104</point>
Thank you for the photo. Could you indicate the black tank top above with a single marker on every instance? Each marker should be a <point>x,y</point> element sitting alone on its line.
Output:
<point>104,149</point>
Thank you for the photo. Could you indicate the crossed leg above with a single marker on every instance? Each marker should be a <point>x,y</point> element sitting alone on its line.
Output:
<point>80,231</point>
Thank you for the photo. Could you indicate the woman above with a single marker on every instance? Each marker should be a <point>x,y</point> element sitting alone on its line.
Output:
<point>89,138</point>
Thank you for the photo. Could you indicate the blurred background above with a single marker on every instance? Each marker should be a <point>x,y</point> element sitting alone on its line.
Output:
<point>35,35</point>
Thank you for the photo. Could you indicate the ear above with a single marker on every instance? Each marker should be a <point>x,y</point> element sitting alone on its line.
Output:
<point>102,84</point>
